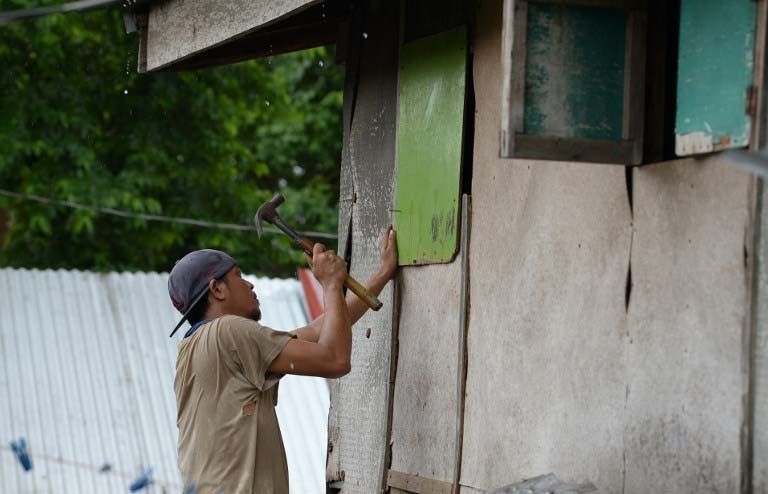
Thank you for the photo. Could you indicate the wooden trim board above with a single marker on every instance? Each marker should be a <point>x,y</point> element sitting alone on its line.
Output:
<point>417,485</point>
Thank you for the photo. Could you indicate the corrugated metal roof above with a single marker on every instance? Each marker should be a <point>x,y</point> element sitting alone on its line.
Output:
<point>87,379</point>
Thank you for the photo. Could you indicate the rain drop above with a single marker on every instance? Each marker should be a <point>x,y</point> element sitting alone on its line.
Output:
<point>365,35</point>
<point>125,91</point>
<point>282,183</point>
<point>321,63</point>
<point>266,103</point>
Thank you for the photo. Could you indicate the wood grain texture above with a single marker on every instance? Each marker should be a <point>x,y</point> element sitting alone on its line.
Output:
<point>760,352</point>
<point>180,28</point>
<point>424,415</point>
<point>359,401</point>
<point>685,353</point>
<point>550,250</point>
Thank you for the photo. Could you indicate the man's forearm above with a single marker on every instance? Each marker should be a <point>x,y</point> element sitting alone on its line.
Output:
<point>335,329</point>
<point>355,306</point>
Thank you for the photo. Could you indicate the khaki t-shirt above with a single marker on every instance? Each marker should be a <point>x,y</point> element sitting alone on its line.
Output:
<point>229,438</point>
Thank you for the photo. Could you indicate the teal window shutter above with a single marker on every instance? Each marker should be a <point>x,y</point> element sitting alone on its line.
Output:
<point>715,74</point>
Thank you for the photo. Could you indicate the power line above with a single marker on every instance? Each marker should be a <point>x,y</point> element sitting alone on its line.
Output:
<point>154,217</point>
<point>17,15</point>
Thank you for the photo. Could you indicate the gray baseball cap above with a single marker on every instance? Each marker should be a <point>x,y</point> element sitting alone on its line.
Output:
<point>189,278</point>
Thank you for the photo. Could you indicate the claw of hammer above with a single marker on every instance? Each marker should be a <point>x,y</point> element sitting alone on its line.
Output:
<point>268,212</point>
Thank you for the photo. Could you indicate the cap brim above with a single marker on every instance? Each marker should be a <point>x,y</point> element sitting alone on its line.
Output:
<point>185,316</point>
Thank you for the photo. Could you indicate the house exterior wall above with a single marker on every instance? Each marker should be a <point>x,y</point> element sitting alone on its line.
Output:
<point>563,374</point>
<point>610,326</point>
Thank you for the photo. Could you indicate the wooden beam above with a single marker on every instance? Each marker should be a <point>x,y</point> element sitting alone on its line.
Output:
<point>417,485</point>
<point>316,26</point>
<point>263,44</point>
<point>573,149</point>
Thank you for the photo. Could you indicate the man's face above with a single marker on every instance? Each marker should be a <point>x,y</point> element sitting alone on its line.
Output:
<point>241,300</point>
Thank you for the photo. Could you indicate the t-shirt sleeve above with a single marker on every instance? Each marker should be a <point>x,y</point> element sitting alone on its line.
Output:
<point>253,347</point>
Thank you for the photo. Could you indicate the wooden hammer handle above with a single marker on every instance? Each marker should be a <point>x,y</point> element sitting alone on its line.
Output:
<point>357,288</point>
<point>362,292</point>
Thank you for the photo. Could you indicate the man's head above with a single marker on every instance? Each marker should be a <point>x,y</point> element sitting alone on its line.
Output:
<point>209,282</point>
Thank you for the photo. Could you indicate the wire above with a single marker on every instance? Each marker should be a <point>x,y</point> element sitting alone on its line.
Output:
<point>17,15</point>
<point>155,217</point>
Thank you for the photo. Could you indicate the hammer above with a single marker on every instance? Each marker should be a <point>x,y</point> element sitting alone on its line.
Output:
<point>268,212</point>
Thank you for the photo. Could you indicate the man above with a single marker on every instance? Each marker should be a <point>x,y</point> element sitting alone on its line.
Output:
<point>229,365</point>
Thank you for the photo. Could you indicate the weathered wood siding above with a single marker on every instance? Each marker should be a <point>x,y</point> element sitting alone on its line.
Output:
<point>563,376</point>
<point>360,400</point>
<point>760,351</point>
<point>180,28</point>
<point>424,415</point>
<point>686,358</point>
<point>549,259</point>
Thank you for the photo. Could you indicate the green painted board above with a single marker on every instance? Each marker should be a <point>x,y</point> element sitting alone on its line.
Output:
<point>429,147</point>
<point>574,71</point>
<point>717,40</point>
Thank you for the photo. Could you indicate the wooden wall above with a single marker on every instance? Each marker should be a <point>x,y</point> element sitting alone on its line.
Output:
<point>610,323</point>
<point>637,384</point>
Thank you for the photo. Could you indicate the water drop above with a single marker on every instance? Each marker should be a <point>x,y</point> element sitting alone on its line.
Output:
<point>266,103</point>
<point>365,35</point>
<point>321,63</point>
<point>125,91</point>
<point>282,183</point>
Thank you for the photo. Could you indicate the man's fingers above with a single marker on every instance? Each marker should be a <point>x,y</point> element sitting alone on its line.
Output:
<point>317,249</point>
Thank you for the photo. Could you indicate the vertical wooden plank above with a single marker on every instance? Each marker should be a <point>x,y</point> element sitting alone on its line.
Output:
<point>686,358</point>
<point>359,408</point>
<point>429,147</point>
<point>424,419</point>
<point>759,453</point>
<point>715,71</point>
<point>347,199</point>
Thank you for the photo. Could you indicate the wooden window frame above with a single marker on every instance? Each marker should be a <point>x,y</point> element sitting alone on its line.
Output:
<point>516,144</point>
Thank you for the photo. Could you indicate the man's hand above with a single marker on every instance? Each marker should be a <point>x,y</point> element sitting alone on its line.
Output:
<point>330,269</point>
<point>388,256</point>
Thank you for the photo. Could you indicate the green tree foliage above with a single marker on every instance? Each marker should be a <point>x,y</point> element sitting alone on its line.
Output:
<point>77,123</point>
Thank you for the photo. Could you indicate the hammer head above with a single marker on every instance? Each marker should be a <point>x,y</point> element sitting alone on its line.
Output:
<point>268,211</point>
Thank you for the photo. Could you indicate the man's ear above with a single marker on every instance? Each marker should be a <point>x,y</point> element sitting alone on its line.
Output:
<point>218,289</point>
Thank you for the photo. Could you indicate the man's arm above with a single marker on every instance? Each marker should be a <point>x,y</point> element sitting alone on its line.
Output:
<point>330,355</point>
<point>356,307</point>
